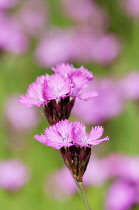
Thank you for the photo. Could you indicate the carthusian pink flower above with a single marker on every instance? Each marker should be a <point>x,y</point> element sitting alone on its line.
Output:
<point>121,196</point>
<point>21,118</point>
<point>74,144</point>
<point>55,47</point>
<point>6,4</point>
<point>57,92</point>
<point>131,7</point>
<point>93,13</point>
<point>129,85</point>
<point>106,48</point>
<point>13,174</point>
<point>8,28</point>
<point>32,15</point>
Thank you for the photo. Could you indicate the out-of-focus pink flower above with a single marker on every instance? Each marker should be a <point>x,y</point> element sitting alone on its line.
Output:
<point>18,43</point>
<point>130,85</point>
<point>32,16</point>
<point>108,103</point>
<point>121,195</point>
<point>66,134</point>
<point>131,7</point>
<point>13,174</point>
<point>93,14</point>
<point>6,4</point>
<point>129,169</point>
<point>21,118</point>
<point>106,48</point>
<point>56,47</point>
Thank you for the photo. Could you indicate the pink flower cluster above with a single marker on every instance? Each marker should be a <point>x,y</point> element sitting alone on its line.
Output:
<point>66,134</point>
<point>67,81</point>
<point>57,94</point>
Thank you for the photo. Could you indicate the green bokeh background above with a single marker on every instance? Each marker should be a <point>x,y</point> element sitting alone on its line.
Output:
<point>17,72</point>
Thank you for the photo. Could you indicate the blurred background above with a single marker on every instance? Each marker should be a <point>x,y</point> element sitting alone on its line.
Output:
<point>103,36</point>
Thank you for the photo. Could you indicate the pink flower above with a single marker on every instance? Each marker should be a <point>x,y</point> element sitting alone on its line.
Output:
<point>32,16</point>
<point>19,42</point>
<point>58,135</point>
<point>57,92</point>
<point>74,144</point>
<point>66,134</point>
<point>131,7</point>
<point>93,13</point>
<point>79,79</point>
<point>6,4</point>
<point>56,87</point>
<point>13,174</point>
<point>105,49</point>
<point>129,85</point>
<point>121,195</point>
<point>54,48</point>
<point>21,118</point>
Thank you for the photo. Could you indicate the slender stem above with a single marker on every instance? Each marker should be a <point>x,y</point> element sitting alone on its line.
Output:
<point>82,193</point>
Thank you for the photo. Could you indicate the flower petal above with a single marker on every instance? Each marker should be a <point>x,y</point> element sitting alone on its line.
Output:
<point>96,142</point>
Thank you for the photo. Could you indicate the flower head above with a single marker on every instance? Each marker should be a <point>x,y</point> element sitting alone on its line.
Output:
<point>121,195</point>
<point>66,134</point>
<point>74,144</point>
<point>57,92</point>
<point>13,174</point>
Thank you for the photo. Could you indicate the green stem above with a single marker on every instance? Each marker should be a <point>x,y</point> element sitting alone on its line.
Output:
<point>82,193</point>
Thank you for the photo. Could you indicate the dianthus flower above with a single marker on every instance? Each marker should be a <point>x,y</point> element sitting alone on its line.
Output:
<point>57,93</point>
<point>74,144</point>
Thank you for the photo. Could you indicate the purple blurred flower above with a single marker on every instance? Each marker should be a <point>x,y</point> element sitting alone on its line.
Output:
<point>66,134</point>
<point>13,174</point>
<point>6,4</point>
<point>32,16</point>
<point>21,118</point>
<point>56,47</point>
<point>108,103</point>
<point>121,195</point>
<point>106,48</point>
<point>74,144</point>
<point>131,7</point>
<point>19,43</point>
<point>129,169</point>
<point>130,85</point>
<point>93,14</point>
